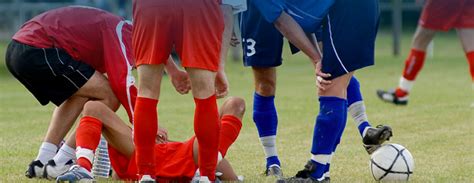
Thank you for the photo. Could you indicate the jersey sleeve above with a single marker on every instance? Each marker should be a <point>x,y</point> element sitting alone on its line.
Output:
<point>270,9</point>
<point>119,64</point>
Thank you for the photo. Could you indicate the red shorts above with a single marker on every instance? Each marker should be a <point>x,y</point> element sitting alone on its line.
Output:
<point>444,15</point>
<point>174,161</point>
<point>193,27</point>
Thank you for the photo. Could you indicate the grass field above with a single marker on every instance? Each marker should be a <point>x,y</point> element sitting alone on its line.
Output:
<point>437,126</point>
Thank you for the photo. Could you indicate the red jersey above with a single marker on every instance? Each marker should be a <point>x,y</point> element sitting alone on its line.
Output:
<point>93,36</point>
<point>174,161</point>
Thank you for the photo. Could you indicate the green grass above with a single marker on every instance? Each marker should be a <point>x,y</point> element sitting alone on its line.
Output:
<point>437,126</point>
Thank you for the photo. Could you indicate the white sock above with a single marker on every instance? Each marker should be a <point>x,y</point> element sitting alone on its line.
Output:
<point>328,174</point>
<point>46,152</point>
<point>322,158</point>
<point>269,145</point>
<point>357,111</point>
<point>405,84</point>
<point>85,153</point>
<point>65,154</point>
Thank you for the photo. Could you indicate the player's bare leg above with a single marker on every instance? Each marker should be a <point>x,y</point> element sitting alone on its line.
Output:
<point>64,116</point>
<point>413,65</point>
<point>97,119</point>
<point>467,40</point>
<point>146,118</point>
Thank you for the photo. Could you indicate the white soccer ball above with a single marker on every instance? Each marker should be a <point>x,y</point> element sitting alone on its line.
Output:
<point>391,162</point>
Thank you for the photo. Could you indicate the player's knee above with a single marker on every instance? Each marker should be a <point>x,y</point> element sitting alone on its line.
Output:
<point>112,102</point>
<point>93,109</point>
<point>266,88</point>
<point>423,37</point>
<point>234,106</point>
<point>354,83</point>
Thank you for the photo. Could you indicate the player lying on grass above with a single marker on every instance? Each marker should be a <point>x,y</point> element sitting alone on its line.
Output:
<point>70,62</point>
<point>175,160</point>
<point>262,28</point>
<point>437,15</point>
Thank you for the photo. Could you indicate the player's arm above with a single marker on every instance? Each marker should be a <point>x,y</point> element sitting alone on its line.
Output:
<point>222,84</point>
<point>295,34</point>
<point>179,78</point>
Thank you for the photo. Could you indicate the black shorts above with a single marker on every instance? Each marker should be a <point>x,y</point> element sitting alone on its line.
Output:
<point>50,74</point>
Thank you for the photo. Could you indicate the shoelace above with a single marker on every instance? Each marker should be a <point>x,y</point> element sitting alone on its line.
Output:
<point>77,174</point>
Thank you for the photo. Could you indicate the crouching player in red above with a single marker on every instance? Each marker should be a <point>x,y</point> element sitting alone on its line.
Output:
<point>177,160</point>
<point>69,62</point>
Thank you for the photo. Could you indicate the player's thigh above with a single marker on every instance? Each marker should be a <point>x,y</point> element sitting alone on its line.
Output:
<point>98,88</point>
<point>467,39</point>
<point>51,74</point>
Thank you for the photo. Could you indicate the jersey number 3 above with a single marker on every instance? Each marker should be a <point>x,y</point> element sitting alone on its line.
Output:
<point>250,46</point>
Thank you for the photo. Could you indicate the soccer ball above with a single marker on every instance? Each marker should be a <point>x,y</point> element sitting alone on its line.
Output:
<point>391,162</point>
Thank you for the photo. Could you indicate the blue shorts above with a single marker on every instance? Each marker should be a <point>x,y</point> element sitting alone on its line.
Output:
<point>262,43</point>
<point>349,33</point>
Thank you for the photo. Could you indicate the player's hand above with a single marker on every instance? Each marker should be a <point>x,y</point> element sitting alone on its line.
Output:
<point>162,135</point>
<point>234,40</point>
<point>321,81</point>
<point>181,81</point>
<point>222,84</point>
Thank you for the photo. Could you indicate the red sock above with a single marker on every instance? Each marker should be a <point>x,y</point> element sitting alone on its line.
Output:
<point>145,127</point>
<point>470,60</point>
<point>206,128</point>
<point>400,92</point>
<point>230,130</point>
<point>88,138</point>
<point>413,64</point>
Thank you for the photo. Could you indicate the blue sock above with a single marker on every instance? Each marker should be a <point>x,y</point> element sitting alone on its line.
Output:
<point>266,119</point>
<point>356,105</point>
<point>336,143</point>
<point>328,128</point>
